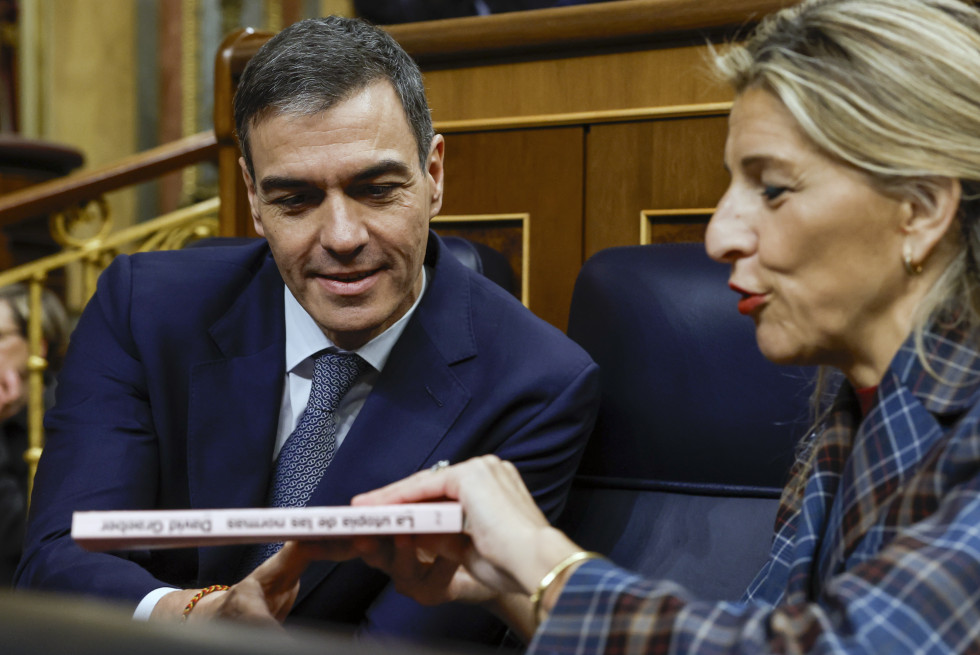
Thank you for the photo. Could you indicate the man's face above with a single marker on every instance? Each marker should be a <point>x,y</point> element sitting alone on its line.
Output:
<point>345,207</point>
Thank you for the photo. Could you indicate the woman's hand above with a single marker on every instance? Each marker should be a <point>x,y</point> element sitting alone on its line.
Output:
<point>510,544</point>
<point>425,567</point>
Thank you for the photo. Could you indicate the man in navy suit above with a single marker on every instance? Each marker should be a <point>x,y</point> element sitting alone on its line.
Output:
<point>188,370</point>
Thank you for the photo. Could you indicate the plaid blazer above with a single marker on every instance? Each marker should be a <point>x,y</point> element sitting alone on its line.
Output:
<point>876,546</point>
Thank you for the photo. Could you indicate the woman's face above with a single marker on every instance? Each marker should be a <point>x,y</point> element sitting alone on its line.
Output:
<point>13,362</point>
<point>13,345</point>
<point>815,250</point>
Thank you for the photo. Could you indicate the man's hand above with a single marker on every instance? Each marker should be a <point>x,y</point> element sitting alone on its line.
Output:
<point>264,597</point>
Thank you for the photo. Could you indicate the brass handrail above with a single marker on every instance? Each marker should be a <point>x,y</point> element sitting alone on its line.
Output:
<point>55,195</point>
<point>124,236</point>
<point>166,232</point>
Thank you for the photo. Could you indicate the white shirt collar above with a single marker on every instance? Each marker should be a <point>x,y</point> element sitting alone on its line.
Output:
<point>304,337</point>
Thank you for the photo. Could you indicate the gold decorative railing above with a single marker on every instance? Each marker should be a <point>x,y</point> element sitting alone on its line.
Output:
<point>92,253</point>
<point>81,224</point>
<point>55,195</point>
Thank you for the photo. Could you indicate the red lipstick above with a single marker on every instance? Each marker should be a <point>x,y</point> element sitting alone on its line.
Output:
<point>749,304</point>
<point>750,301</point>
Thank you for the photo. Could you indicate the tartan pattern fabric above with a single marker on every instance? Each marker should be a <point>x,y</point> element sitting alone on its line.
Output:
<point>310,448</point>
<point>876,546</point>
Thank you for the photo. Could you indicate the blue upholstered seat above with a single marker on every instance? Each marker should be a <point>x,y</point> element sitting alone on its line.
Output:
<point>696,431</point>
<point>483,259</point>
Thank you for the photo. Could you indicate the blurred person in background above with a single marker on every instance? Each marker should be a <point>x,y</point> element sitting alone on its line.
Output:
<point>14,310</point>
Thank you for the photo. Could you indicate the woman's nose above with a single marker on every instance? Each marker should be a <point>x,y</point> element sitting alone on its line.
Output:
<point>729,235</point>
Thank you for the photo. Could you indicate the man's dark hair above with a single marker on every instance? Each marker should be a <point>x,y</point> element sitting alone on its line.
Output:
<point>316,63</point>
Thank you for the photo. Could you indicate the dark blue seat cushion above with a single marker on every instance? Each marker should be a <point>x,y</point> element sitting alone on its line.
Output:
<point>696,430</point>
<point>483,259</point>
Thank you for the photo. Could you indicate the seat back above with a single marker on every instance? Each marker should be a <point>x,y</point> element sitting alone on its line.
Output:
<point>483,259</point>
<point>696,430</point>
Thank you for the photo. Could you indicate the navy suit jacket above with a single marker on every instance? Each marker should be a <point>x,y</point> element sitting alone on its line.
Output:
<point>170,395</point>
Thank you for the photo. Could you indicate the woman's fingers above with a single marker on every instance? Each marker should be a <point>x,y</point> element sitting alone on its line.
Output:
<point>500,512</point>
<point>421,571</point>
<point>377,552</point>
<point>423,486</point>
<point>448,546</point>
<point>502,521</point>
<point>489,573</point>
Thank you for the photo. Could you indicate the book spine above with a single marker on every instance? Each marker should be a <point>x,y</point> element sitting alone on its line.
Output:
<point>104,529</point>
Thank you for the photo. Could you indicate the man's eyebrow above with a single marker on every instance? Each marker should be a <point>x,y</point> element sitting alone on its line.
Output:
<point>273,182</point>
<point>382,167</point>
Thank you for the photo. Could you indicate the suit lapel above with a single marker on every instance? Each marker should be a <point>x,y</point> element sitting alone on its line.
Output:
<point>234,408</point>
<point>885,461</point>
<point>414,404</point>
<point>416,401</point>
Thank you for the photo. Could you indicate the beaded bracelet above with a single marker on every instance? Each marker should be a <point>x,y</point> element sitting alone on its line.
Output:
<point>552,575</point>
<point>198,596</point>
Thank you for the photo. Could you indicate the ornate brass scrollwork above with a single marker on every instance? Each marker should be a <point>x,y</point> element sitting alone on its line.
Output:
<point>84,226</point>
<point>180,236</point>
<point>85,232</point>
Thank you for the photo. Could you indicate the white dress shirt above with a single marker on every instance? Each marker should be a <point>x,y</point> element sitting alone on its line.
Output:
<point>304,338</point>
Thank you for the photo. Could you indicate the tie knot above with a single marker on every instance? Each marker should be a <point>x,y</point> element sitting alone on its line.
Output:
<point>333,375</point>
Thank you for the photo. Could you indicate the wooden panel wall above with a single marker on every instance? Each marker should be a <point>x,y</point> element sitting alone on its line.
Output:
<point>671,164</point>
<point>546,89</point>
<point>602,123</point>
<point>538,172</point>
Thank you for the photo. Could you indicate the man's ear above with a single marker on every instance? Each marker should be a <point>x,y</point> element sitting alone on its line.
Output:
<point>435,173</point>
<point>253,198</point>
<point>930,215</point>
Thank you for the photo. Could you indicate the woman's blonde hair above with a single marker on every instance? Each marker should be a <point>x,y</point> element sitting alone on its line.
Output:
<point>892,88</point>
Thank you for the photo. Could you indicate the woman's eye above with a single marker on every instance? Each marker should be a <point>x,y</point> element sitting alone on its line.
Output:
<point>771,192</point>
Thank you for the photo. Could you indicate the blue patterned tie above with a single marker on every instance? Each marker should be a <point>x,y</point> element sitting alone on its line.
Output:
<point>310,448</point>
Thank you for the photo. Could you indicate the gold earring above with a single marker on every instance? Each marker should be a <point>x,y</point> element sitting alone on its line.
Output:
<point>910,267</point>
